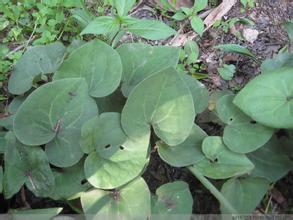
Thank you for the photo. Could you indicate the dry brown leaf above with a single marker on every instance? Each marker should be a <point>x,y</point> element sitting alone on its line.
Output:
<point>219,12</point>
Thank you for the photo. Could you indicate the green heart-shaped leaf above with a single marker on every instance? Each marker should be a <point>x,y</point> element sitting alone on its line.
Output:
<point>244,193</point>
<point>52,108</point>
<point>27,165</point>
<point>268,99</point>
<point>141,60</point>
<point>115,166</point>
<point>242,134</point>
<point>69,182</point>
<point>37,60</point>
<point>55,113</point>
<point>98,63</point>
<point>130,201</point>
<point>164,102</point>
<point>220,162</point>
<point>173,198</point>
<point>271,161</point>
<point>199,93</point>
<point>185,154</point>
<point>113,160</point>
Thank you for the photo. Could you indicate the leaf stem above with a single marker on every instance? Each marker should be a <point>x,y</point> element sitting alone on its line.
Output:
<point>216,193</point>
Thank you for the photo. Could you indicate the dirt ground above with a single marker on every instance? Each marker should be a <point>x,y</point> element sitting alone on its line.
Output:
<point>268,16</point>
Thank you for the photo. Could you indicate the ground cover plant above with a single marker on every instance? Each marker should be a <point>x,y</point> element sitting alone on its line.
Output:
<point>84,120</point>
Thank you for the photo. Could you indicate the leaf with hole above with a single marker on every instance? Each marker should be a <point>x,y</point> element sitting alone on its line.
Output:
<point>268,99</point>
<point>164,102</point>
<point>140,61</point>
<point>113,159</point>
<point>245,193</point>
<point>185,154</point>
<point>220,162</point>
<point>129,201</point>
<point>242,134</point>
<point>35,61</point>
<point>98,63</point>
<point>173,198</point>
<point>70,182</point>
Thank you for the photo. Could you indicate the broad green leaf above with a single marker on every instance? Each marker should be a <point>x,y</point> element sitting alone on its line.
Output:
<point>111,103</point>
<point>128,202</point>
<point>52,109</point>
<point>35,61</point>
<point>54,114</point>
<point>64,150</point>
<point>281,60</point>
<point>271,161</point>
<point>101,25</point>
<point>139,61</point>
<point>116,165</point>
<point>244,193</point>
<point>185,154</point>
<point>228,112</point>
<point>123,6</point>
<point>98,63</point>
<point>191,49</point>
<point>173,198</point>
<point>242,134</point>
<point>26,165</point>
<point>101,131</point>
<point>29,214</point>
<point>199,92</point>
<point>268,99</point>
<point>1,179</point>
<point>235,48</point>
<point>162,101</point>
<point>220,162</point>
<point>197,24</point>
<point>199,5</point>
<point>7,121</point>
<point>179,16</point>
<point>227,71</point>
<point>149,29</point>
<point>69,182</point>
